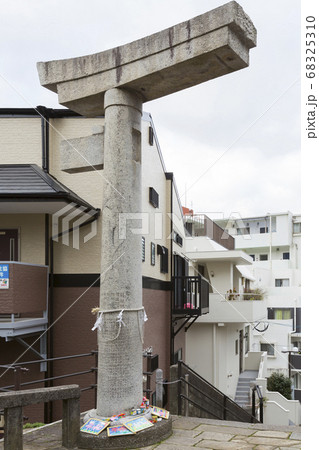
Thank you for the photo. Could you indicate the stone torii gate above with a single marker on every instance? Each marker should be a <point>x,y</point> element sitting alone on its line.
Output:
<point>115,83</point>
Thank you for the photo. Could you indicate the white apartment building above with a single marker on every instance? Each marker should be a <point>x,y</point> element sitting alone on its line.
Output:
<point>273,242</point>
<point>218,344</point>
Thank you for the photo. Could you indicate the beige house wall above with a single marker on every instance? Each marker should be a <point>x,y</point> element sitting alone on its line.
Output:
<point>22,144</point>
<point>20,140</point>
<point>31,235</point>
<point>153,175</point>
<point>88,185</point>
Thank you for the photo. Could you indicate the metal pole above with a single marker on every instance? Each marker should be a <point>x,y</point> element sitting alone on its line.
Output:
<point>186,395</point>
<point>261,410</point>
<point>179,399</point>
<point>159,388</point>
<point>253,403</point>
<point>17,378</point>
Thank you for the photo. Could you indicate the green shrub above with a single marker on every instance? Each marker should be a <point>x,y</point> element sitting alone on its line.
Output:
<point>279,383</point>
<point>33,425</point>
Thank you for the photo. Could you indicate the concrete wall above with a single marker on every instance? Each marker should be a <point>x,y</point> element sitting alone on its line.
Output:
<point>278,410</point>
<point>211,352</point>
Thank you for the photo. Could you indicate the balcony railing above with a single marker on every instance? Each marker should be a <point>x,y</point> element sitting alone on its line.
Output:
<point>235,309</point>
<point>23,299</point>
<point>191,295</point>
<point>240,296</point>
<point>202,225</point>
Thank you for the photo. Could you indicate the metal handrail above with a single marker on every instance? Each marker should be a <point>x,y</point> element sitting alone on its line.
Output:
<point>223,397</point>
<point>58,358</point>
<point>225,409</point>
<point>257,389</point>
<point>18,368</point>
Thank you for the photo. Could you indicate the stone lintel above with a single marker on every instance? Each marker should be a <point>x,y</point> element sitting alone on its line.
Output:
<point>205,47</point>
<point>82,154</point>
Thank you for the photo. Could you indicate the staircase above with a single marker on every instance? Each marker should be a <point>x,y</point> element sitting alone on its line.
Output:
<point>194,396</point>
<point>243,387</point>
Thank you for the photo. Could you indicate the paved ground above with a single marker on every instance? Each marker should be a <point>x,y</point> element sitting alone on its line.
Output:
<point>192,432</point>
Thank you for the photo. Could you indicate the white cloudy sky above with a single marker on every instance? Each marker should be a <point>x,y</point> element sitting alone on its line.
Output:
<point>233,143</point>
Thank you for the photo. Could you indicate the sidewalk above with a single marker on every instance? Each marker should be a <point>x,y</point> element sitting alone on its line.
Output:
<point>192,432</point>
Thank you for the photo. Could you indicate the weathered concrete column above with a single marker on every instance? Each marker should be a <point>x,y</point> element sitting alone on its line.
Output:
<point>120,357</point>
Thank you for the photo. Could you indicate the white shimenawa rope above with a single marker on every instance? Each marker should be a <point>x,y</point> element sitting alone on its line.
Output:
<point>119,320</point>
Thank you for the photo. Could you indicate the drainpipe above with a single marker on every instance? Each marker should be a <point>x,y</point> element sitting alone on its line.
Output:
<point>214,354</point>
<point>172,287</point>
<point>48,262</point>
<point>169,176</point>
<point>45,128</point>
<point>270,246</point>
<point>42,110</point>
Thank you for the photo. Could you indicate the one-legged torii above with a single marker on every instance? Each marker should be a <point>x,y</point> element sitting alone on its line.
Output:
<point>116,83</point>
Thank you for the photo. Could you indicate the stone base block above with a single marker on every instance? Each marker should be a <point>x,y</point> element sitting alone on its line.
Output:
<point>161,430</point>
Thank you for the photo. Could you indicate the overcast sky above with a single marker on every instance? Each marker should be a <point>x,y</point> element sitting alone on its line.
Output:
<point>233,143</point>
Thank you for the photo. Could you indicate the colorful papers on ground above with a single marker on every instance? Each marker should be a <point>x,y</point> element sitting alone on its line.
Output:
<point>118,430</point>
<point>138,424</point>
<point>94,426</point>
<point>159,412</point>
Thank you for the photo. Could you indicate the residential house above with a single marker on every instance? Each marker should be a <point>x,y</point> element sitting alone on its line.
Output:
<point>50,232</point>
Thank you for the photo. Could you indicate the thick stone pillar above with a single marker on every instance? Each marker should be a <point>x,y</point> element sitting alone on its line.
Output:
<point>120,383</point>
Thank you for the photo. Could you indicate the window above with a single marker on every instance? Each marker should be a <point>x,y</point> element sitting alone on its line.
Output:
<point>151,135</point>
<point>143,248</point>
<point>263,230</point>
<point>163,252</point>
<point>297,228</point>
<point>269,348</point>
<point>263,257</point>
<point>283,314</point>
<point>153,197</point>
<point>281,282</point>
<point>280,313</point>
<point>236,347</point>
<point>253,257</point>
<point>286,255</point>
<point>247,339</point>
<point>178,239</point>
<point>152,254</point>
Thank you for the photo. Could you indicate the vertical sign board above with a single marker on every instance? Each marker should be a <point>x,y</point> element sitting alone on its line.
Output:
<point>4,276</point>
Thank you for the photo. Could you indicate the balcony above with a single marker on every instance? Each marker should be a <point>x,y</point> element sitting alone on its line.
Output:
<point>191,296</point>
<point>23,299</point>
<point>201,225</point>
<point>235,308</point>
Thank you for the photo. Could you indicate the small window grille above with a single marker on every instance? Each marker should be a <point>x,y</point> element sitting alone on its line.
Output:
<point>153,197</point>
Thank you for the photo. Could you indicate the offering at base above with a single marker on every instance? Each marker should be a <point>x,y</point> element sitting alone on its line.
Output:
<point>160,412</point>
<point>118,430</point>
<point>142,409</point>
<point>94,426</point>
<point>138,424</point>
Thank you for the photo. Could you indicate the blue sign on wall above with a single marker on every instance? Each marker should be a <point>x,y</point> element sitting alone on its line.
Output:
<point>4,276</point>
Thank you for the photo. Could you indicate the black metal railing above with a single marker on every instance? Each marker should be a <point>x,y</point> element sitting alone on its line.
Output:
<point>198,398</point>
<point>257,408</point>
<point>191,295</point>
<point>20,368</point>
